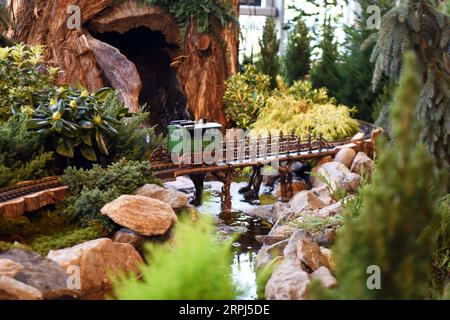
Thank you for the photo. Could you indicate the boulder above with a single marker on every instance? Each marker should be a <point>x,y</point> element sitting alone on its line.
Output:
<point>303,248</point>
<point>264,213</point>
<point>325,237</point>
<point>269,240</point>
<point>337,176</point>
<point>45,275</point>
<point>9,267</point>
<point>125,235</point>
<point>345,156</point>
<point>278,209</point>
<point>11,289</point>
<point>362,165</point>
<point>95,261</point>
<point>328,255</point>
<point>331,210</point>
<point>282,231</point>
<point>325,277</point>
<point>144,215</point>
<point>176,199</point>
<point>288,282</point>
<point>269,252</point>
<point>297,186</point>
<point>306,200</point>
<point>324,194</point>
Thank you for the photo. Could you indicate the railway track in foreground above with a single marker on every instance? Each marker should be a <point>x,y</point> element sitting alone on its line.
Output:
<point>30,195</point>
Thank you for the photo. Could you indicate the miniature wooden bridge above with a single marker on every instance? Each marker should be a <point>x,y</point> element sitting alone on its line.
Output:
<point>237,154</point>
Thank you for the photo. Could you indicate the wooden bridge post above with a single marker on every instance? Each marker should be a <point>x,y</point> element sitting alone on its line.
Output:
<point>225,195</point>
<point>309,142</point>
<point>286,189</point>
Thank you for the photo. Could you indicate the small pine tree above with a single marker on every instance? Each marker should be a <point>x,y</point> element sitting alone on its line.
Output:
<point>418,25</point>
<point>325,73</point>
<point>356,70</point>
<point>269,62</point>
<point>297,61</point>
<point>396,227</point>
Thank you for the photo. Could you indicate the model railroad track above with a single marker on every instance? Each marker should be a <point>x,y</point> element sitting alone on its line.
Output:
<point>30,196</point>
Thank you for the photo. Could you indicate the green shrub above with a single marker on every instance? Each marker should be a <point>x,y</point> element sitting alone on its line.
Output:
<point>85,207</point>
<point>44,231</point>
<point>126,176</point>
<point>21,152</point>
<point>66,237</point>
<point>91,189</point>
<point>75,121</point>
<point>25,83</point>
<point>396,227</point>
<point>76,125</point>
<point>202,11</point>
<point>286,113</point>
<point>313,224</point>
<point>134,140</point>
<point>303,90</point>
<point>197,267</point>
<point>246,93</point>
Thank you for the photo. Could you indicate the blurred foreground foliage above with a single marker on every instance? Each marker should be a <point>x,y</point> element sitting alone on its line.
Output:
<point>195,266</point>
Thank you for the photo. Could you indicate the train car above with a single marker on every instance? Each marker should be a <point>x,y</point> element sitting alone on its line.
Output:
<point>179,130</point>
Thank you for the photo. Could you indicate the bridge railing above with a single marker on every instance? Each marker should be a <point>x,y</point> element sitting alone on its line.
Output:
<point>235,149</point>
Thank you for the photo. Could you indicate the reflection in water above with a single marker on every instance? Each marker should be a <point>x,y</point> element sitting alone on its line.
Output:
<point>237,221</point>
<point>244,274</point>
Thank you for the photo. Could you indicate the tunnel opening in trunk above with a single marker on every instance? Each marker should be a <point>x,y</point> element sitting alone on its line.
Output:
<point>161,91</point>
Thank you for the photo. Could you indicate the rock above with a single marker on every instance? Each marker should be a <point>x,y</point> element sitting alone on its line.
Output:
<point>176,199</point>
<point>338,176</point>
<point>9,268</point>
<point>309,253</point>
<point>266,239</point>
<point>125,235</point>
<point>96,260</point>
<point>268,252</point>
<point>43,274</point>
<point>297,186</point>
<point>325,277</point>
<point>288,282</point>
<point>331,210</point>
<point>319,164</point>
<point>282,231</point>
<point>144,215</point>
<point>358,136</point>
<point>11,289</point>
<point>263,212</point>
<point>278,208</point>
<point>328,255</point>
<point>324,194</point>
<point>305,200</point>
<point>325,237</point>
<point>362,165</point>
<point>303,248</point>
<point>290,251</point>
<point>345,156</point>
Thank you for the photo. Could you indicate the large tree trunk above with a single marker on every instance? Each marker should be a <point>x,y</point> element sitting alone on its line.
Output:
<point>97,54</point>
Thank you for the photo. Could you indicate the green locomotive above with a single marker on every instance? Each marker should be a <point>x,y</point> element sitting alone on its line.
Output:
<point>179,130</point>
